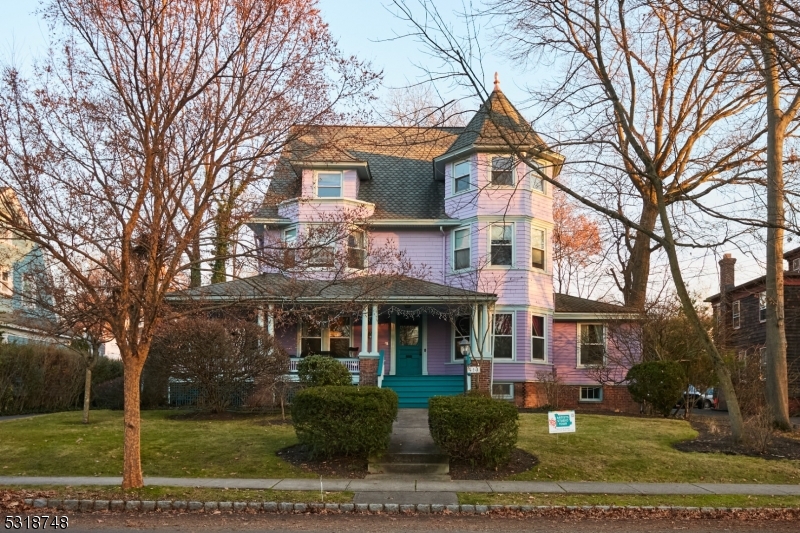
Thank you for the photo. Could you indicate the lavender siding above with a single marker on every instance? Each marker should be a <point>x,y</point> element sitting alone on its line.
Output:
<point>439,342</point>
<point>424,248</point>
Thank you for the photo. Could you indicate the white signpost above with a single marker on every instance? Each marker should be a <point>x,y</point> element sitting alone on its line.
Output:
<point>561,421</point>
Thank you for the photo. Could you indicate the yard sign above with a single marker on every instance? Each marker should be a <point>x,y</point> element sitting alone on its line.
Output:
<point>561,421</point>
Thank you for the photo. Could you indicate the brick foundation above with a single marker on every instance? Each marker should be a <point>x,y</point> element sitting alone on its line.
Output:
<point>368,371</point>
<point>615,398</point>
<point>482,382</point>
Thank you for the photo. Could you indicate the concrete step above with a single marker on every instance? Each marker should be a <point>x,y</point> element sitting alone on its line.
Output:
<point>402,457</point>
<point>408,468</point>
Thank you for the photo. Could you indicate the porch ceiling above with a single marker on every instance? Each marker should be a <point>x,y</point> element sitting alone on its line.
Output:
<point>281,289</point>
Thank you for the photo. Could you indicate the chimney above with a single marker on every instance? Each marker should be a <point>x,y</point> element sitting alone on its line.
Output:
<point>726,272</point>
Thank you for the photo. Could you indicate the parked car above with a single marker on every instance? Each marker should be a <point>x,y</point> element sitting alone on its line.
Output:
<point>699,400</point>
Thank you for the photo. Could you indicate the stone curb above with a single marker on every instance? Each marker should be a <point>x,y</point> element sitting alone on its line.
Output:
<point>372,508</point>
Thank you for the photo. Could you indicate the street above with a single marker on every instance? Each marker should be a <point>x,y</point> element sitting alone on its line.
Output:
<point>409,524</point>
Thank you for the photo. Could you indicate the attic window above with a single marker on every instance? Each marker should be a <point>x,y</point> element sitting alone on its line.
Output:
<point>329,185</point>
<point>502,171</point>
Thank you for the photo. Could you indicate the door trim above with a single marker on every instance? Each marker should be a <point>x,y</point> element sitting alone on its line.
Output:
<point>424,332</point>
<point>393,345</point>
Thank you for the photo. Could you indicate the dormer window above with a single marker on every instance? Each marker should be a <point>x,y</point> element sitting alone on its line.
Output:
<point>461,177</point>
<point>503,171</point>
<point>329,184</point>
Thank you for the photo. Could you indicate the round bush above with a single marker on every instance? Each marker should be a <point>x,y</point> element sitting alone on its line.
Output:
<point>474,428</point>
<point>322,371</point>
<point>344,420</point>
<point>657,383</point>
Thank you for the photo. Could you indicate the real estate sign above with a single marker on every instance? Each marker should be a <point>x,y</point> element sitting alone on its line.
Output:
<point>561,421</point>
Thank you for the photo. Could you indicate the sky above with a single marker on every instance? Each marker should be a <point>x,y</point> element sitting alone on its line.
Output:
<point>367,29</point>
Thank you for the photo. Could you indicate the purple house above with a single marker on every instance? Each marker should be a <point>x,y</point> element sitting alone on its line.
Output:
<point>473,227</point>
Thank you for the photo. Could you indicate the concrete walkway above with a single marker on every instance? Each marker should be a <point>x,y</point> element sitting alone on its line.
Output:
<point>404,484</point>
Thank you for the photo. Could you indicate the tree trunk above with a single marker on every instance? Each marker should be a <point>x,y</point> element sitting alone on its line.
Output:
<point>637,271</point>
<point>132,452</point>
<point>722,371</point>
<point>777,374</point>
<point>87,391</point>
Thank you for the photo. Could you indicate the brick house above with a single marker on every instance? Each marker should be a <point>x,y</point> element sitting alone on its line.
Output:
<point>740,315</point>
<point>453,200</point>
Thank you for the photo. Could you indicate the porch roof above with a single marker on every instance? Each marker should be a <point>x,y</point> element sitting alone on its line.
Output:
<point>281,289</point>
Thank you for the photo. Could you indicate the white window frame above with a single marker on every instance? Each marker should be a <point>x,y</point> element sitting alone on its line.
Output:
<point>580,344</point>
<point>300,338</point>
<point>513,171</point>
<point>468,229</point>
<point>509,396</point>
<point>363,248</point>
<point>736,314</point>
<point>532,176</point>
<point>796,264</point>
<point>583,388</point>
<point>513,335</point>
<point>543,233</point>
<point>330,172</point>
<point>457,338</point>
<point>543,337</point>
<point>326,334</point>
<point>291,250</point>
<point>468,175</point>
<point>513,243</point>
<point>762,306</point>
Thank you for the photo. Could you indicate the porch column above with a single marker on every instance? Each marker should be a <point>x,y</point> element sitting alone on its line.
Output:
<point>260,317</point>
<point>271,320</point>
<point>485,325</point>
<point>374,347</point>
<point>475,331</point>
<point>364,326</point>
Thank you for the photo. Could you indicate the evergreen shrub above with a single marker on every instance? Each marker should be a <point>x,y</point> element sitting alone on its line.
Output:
<point>322,371</point>
<point>659,384</point>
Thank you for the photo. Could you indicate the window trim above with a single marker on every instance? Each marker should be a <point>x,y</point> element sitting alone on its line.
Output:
<point>543,231</point>
<point>290,250</point>
<point>509,396</point>
<point>513,244</point>
<point>796,264</point>
<point>583,388</point>
<point>468,229</point>
<point>468,175</point>
<point>579,343</point>
<point>531,175</point>
<point>316,183</point>
<point>513,335</point>
<point>762,306</point>
<point>736,314</point>
<point>543,337</point>
<point>454,338</point>
<point>513,183</point>
<point>325,334</point>
<point>363,248</point>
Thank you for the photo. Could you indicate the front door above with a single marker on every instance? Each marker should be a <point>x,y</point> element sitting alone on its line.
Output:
<point>409,346</point>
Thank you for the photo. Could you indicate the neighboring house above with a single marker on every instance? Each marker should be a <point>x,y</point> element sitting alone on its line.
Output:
<point>455,201</point>
<point>740,315</point>
<point>22,264</point>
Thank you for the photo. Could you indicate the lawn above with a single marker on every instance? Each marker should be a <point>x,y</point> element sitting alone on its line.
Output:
<point>59,444</point>
<point>625,449</point>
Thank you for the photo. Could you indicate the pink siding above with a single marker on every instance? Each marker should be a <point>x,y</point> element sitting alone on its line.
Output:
<point>424,248</point>
<point>565,354</point>
<point>351,184</point>
<point>439,342</point>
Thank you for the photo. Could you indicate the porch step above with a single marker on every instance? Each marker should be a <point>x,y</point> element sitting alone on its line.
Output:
<point>415,391</point>
<point>410,463</point>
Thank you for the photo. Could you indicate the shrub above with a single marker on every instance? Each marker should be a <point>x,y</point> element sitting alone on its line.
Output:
<point>659,384</point>
<point>474,428</point>
<point>344,420</point>
<point>322,371</point>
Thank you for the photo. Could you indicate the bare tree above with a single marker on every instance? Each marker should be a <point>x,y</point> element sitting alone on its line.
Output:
<point>145,109</point>
<point>663,89</point>
<point>421,105</point>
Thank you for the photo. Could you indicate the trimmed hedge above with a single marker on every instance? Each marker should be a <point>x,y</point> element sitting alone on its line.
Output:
<point>474,428</point>
<point>657,383</point>
<point>344,420</point>
<point>322,371</point>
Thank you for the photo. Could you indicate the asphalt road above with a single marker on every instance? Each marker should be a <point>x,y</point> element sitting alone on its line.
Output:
<point>411,524</point>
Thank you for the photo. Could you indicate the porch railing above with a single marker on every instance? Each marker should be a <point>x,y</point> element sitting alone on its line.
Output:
<point>350,363</point>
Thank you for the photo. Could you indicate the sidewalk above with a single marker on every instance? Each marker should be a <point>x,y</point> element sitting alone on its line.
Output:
<point>410,484</point>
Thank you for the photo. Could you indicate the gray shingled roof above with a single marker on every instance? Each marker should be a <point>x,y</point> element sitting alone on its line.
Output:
<point>497,123</point>
<point>278,288</point>
<point>572,304</point>
<point>400,161</point>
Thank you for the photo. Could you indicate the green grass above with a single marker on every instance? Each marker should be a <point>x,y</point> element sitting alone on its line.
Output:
<point>185,494</point>
<point>705,500</point>
<point>625,449</point>
<point>60,445</point>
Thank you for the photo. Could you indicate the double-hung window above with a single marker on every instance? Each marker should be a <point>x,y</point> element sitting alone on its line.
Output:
<point>310,339</point>
<point>536,181</point>
<point>796,264</point>
<point>736,314</point>
<point>356,249</point>
<point>329,185</point>
<point>503,171</point>
<point>461,332</point>
<point>592,345</point>
<point>537,248</point>
<point>762,307</point>
<point>339,336</point>
<point>461,249</point>
<point>461,176</point>
<point>537,338</point>
<point>503,336</point>
<point>290,252</point>
<point>502,244</point>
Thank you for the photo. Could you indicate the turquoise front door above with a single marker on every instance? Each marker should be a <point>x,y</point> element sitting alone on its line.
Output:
<point>409,346</point>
